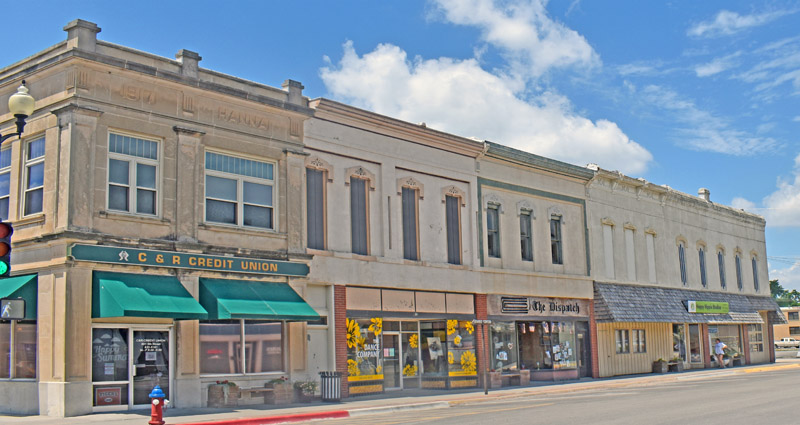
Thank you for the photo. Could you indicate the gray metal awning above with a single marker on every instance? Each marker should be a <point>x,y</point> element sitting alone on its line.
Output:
<point>634,303</point>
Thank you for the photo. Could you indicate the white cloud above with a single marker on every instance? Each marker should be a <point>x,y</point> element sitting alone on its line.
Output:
<point>458,96</point>
<point>781,208</point>
<point>797,118</point>
<point>716,66</point>
<point>531,40</point>
<point>728,23</point>
<point>789,277</point>
<point>744,204</point>
<point>701,130</point>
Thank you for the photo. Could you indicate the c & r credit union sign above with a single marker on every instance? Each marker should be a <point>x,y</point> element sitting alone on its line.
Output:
<point>181,260</point>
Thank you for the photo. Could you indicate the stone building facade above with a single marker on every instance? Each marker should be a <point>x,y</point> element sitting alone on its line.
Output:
<point>697,269</point>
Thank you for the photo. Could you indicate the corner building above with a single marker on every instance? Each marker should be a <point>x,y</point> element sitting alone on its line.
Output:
<point>158,235</point>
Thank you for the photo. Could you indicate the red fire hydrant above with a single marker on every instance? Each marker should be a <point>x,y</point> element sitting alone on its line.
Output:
<point>157,397</point>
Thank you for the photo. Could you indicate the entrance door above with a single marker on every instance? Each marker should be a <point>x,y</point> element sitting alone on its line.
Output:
<point>391,361</point>
<point>584,349</point>
<point>150,364</point>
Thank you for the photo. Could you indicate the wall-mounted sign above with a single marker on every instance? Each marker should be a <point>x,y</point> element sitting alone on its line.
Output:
<point>181,260</point>
<point>712,307</point>
<point>537,306</point>
<point>12,308</point>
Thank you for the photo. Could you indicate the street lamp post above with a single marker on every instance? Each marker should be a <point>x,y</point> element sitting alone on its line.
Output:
<point>21,106</point>
<point>485,333</point>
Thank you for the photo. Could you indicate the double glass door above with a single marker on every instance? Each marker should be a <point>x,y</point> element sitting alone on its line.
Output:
<point>401,362</point>
<point>127,364</point>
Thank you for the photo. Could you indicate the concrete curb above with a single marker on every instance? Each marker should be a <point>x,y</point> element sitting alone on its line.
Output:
<point>399,408</point>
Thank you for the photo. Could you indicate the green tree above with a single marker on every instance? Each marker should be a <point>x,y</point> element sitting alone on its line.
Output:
<point>776,289</point>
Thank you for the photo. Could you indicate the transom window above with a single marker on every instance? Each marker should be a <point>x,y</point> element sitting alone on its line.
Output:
<point>34,177</point>
<point>132,174</point>
<point>239,191</point>
<point>5,182</point>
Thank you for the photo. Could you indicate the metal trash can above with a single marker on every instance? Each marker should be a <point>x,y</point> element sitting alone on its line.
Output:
<point>331,386</point>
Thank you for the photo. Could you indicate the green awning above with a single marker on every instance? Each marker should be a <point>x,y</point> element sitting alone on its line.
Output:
<point>240,299</point>
<point>24,287</point>
<point>138,295</point>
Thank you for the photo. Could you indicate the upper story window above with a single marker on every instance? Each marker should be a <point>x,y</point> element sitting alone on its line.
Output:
<point>526,236</point>
<point>721,264</point>
<point>315,208</point>
<point>702,258</point>
<point>5,182</point>
<point>358,216</point>
<point>34,177</point>
<point>739,283</point>
<point>453,218</point>
<point>132,174</point>
<point>754,263</point>
<point>682,260</point>
<point>239,191</point>
<point>794,315</point>
<point>556,240</point>
<point>410,205</point>
<point>493,230</point>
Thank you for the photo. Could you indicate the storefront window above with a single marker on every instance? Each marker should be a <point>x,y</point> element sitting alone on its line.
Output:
<point>504,346</point>
<point>364,360</point>
<point>411,370</point>
<point>221,346</point>
<point>433,336</point>
<point>756,337</point>
<point>679,341</point>
<point>729,334</point>
<point>18,361</point>
<point>695,350</point>
<point>461,358</point>
<point>109,355</point>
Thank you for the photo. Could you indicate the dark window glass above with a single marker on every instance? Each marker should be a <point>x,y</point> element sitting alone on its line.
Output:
<point>315,212</point>
<point>721,264</point>
<point>263,346</point>
<point>739,283</point>
<point>755,273</point>
<point>220,347</point>
<point>555,240</point>
<point>109,355</point>
<point>410,224</point>
<point>358,215</point>
<point>682,260</point>
<point>493,231</point>
<point>526,244</point>
<point>702,254</point>
<point>794,315</point>
<point>453,230</point>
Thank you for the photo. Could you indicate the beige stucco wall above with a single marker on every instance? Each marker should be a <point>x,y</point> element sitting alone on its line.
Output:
<point>672,216</point>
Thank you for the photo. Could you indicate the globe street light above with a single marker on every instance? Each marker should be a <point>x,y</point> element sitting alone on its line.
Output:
<point>21,106</point>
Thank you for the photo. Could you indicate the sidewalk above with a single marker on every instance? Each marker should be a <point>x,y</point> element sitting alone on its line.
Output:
<point>410,399</point>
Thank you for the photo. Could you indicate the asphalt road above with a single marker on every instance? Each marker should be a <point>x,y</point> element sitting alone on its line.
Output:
<point>725,398</point>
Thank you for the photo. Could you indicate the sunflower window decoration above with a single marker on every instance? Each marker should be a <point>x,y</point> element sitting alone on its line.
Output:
<point>460,347</point>
<point>364,360</point>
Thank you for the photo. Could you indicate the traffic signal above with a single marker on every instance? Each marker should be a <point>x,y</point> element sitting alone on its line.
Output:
<point>5,248</point>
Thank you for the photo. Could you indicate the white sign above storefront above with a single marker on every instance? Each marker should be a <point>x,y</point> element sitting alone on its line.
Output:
<point>537,306</point>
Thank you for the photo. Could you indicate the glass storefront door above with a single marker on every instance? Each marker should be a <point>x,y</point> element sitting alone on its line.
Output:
<point>126,364</point>
<point>391,361</point>
<point>679,341</point>
<point>151,364</point>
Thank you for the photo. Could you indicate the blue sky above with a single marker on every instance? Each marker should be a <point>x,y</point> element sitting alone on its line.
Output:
<point>684,93</point>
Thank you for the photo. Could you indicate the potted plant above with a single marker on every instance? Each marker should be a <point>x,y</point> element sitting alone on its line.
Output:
<point>305,390</point>
<point>676,364</point>
<point>660,366</point>
<point>282,391</point>
<point>223,394</point>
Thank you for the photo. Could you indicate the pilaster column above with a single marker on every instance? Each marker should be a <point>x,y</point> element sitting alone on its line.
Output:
<point>294,212</point>
<point>188,172</point>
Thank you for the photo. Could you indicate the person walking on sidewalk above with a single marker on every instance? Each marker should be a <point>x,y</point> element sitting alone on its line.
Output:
<point>719,350</point>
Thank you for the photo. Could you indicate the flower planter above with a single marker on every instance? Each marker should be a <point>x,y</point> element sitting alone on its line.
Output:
<point>676,367</point>
<point>303,397</point>
<point>524,377</point>
<point>496,379</point>
<point>281,394</point>
<point>223,395</point>
<point>660,367</point>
